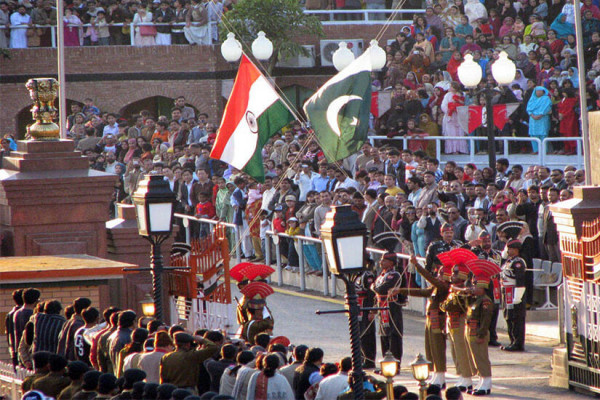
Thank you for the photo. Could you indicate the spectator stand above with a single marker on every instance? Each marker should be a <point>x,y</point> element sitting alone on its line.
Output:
<point>200,296</point>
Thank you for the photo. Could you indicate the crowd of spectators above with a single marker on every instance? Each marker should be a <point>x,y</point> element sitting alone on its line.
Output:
<point>397,192</point>
<point>80,353</point>
<point>26,23</point>
<point>421,70</point>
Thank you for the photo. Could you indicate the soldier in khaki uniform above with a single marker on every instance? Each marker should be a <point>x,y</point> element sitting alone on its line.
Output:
<point>435,336</point>
<point>53,383</point>
<point>40,362</point>
<point>182,366</point>
<point>479,317</point>
<point>456,306</point>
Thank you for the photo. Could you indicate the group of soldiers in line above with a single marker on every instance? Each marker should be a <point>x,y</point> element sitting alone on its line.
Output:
<point>468,284</point>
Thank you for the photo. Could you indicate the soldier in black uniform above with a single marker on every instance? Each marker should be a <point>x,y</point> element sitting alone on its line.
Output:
<point>485,252</point>
<point>513,289</point>
<point>366,298</point>
<point>390,321</point>
<point>441,246</point>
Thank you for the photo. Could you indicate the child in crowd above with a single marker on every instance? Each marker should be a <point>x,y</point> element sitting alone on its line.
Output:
<point>205,209</point>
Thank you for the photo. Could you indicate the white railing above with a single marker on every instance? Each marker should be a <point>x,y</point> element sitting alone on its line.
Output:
<point>329,287</point>
<point>212,26</point>
<point>11,379</point>
<point>365,16</point>
<point>542,158</point>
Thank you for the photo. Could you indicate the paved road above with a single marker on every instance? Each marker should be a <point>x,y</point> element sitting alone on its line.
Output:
<point>516,375</point>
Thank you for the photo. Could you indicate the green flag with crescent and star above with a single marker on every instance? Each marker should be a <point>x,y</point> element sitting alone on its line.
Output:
<point>339,111</point>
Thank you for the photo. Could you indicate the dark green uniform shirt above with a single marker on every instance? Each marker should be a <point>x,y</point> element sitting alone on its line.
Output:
<point>181,368</point>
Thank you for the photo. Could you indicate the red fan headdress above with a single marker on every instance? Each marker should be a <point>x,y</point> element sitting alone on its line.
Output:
<point>253,271</point>
<point>483,270</point>
<point>237,272</point>
<point>445,259</point>
<point>280,340</point>
<point>461,256</point>
<point>257,291</point>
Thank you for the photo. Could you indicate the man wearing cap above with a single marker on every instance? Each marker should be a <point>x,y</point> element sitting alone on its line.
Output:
<point>447,243</point>
<point>257,324</point>
<point>390,321</point>
<point>435,335</point>
<point>181,367</point>
<point>456,307</point>
<point>513,289</point>
<point>479,315</point>
<point>366,298</point>
<point>485,251</point>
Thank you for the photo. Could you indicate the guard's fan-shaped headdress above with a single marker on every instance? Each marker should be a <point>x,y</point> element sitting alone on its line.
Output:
<point>250,271</point>
<point>237,272</point>
<point>463,271</point>
<point>461,256</point>
<point>483,270</point>
<point>283,340</point>
<point>512,229</point>
<point>254,271</point>
<point>445,259</point>
<point>257,291</point>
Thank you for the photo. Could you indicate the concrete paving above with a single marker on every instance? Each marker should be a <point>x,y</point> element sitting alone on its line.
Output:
<point>516,375</point>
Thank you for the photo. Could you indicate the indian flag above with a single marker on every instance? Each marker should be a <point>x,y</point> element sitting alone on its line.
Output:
<point>254,113</point>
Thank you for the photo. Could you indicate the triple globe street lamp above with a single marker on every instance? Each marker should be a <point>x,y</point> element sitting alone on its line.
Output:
<point>503,72</point>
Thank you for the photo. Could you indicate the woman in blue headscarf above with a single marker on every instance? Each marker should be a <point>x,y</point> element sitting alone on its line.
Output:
<point>574,76</point>
<point>539,109</point>
<point>561,27</point>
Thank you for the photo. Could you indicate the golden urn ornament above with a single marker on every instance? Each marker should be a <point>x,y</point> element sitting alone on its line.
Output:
<point>43,92</point>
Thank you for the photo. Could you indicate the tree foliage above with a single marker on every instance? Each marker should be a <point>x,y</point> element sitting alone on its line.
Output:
<point>281,20</point>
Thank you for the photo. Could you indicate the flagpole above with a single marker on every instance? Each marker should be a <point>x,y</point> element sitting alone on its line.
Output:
<point>281,94</point>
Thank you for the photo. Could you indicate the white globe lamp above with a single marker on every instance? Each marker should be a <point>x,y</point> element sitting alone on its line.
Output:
<point>469,72</point>
<point>231,49</point>
<point>342,57</point>
<point>378,56</point>
<point>262,48</point>
<point>503,69</point>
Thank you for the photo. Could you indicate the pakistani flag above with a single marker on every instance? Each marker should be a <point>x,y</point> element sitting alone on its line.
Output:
<point>253,114</point>
<point>339,110</point>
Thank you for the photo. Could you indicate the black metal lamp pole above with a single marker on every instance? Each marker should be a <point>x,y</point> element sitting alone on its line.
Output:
<point>157,268</point>
<point>357,374</point>
<point>491,133</point>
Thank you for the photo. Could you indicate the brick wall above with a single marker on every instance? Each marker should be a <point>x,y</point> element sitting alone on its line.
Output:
<point>65,293</point>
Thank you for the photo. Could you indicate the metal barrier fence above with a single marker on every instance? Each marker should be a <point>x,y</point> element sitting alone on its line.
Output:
<point>329,287</point>
<point>329,17</point>
<point>542,158</point>
<point>212,26</point>
<point>11,379</point>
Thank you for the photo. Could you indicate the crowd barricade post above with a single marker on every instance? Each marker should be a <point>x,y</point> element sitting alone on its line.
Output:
<point>301,263</point>
<point>278,261</point>
<point>11,379</point>
<point>325,271</point>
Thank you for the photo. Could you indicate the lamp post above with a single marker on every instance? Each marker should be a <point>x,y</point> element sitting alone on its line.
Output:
<point>345,238</point>
<point>470,74</point>
<point>153,202</point>
<point>420,371</point>
<point>389,369</point>
<point>231,48</point>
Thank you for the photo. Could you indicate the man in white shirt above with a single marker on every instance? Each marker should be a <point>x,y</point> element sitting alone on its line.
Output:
<point>268,193</point>
<point>304,180</point>
<point>345,182</point>
<point>111,162</point>
<point>333,385</point>
<point>112,128</point>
